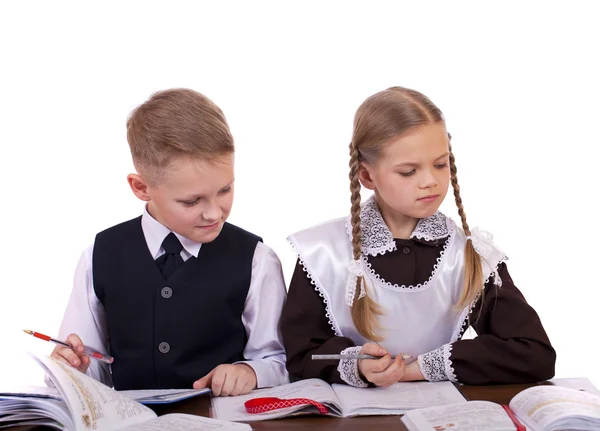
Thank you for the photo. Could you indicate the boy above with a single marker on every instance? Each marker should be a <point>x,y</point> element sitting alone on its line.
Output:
<point>178,296</point>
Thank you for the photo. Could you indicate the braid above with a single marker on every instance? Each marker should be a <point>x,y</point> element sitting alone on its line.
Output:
<point>364,311</point>
<point>473,284</point>
<point>355,201</point>
<point>457,198</point>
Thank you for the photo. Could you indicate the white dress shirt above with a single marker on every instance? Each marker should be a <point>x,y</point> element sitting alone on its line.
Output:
<point>86,317</point>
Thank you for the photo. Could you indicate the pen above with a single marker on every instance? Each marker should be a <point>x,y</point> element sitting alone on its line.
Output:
<point>354,357</point>
<point>88,351</point>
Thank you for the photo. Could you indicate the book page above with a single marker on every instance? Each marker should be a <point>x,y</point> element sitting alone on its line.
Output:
<point>25,409</point>
<point>31,391</point>
<point>579,383</point>
<point>232,408</point>
<point>93,405</point>
<point>163,396</point>
<point>31,424</point>
<point>470,416</point>
<point>545,407</point>
<point>396,399</point>
<point>183,422</point>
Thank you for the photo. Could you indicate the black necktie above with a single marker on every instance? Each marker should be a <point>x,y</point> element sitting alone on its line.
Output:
<point>171,260</point>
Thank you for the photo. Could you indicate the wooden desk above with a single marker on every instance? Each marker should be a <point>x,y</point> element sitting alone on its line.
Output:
<point>498,394</point>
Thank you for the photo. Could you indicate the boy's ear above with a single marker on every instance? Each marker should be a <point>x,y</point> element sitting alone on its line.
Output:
<point>364,176</point>
<point>139,187</point>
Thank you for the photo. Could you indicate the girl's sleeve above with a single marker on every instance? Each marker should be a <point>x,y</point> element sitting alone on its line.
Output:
<point>511,346</point>
<point>306,331</point>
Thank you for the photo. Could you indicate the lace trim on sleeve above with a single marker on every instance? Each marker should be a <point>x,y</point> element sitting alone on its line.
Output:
<point>436,365</point>
<point>348,368</point>
<point>447,349</point>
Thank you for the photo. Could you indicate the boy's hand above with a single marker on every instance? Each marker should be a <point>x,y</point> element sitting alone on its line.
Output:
<point>75,358</point>
<point>229,379</point>
<point>381,372</point>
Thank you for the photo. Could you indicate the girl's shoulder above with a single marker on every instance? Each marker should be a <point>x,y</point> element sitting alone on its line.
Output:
<point>330,231</point>
<point>483,242</point>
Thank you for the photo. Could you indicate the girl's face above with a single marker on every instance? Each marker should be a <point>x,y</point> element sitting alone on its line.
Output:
<point>411,177</point>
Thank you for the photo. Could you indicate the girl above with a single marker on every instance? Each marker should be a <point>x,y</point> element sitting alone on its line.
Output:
<point>399,277</point>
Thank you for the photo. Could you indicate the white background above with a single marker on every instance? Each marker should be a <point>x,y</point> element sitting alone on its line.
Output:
<point>517,81</point>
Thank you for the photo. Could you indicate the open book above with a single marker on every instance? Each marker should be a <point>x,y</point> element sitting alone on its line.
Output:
<point>86,404</point>
<point>540,408</point>
<point>143,396</point>
<point>163,396</point>
<point>338,400</point>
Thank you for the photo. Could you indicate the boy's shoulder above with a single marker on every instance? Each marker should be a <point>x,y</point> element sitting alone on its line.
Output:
<point>236,231</point>
<point>122,227</point>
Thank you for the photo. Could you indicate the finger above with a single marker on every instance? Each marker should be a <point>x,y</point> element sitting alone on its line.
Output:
<point>368,366</point>
<point>393,373</point>
<point>201,383</point>
<point>375,370</point>
<point>231,379</point>
<point>75,341</point>
<point>217,381</point>
<point>85,363</point>
<point>382,364</point>
<point>204,382</point>
<point>402,368</point>
<point>248,386</point>
<point>61,358</point>
<point>373,349</point>
<point>240,383</point>
<point>69,356</point>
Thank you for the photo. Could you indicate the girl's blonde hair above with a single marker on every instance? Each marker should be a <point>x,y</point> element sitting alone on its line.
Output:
<point>382,116</point>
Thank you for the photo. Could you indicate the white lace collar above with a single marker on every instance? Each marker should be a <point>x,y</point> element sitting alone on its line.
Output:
<point>377,238</point>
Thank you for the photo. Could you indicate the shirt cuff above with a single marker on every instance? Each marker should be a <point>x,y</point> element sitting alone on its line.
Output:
<point>436,365</point>
<point>269,373</point>
<point>348,368</point>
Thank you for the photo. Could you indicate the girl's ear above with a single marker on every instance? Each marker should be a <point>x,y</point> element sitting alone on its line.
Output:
<point>139,187</point>
<point>365,176</point>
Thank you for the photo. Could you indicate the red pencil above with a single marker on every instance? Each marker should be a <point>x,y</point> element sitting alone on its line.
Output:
<point>88,351</point>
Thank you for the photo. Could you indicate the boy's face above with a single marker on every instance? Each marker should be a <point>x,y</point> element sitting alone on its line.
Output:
<point>194,197</point>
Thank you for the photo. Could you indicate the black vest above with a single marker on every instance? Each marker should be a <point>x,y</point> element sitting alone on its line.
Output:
<point>169,333</point>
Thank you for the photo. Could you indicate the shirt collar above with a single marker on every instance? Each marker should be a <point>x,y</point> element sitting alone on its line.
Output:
<point>155,233</point>
<point>378,239</point>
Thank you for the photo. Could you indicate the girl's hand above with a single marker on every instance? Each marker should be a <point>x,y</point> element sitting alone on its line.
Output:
<point>412,373</point>
<point>384,371</point>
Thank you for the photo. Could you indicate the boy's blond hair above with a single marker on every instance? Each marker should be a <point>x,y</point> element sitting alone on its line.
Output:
<point>175,123</point>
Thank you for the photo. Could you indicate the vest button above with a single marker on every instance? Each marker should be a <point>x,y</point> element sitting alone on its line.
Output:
<point>406,250</point>
<point>164,347</point>
<point>166,292</point>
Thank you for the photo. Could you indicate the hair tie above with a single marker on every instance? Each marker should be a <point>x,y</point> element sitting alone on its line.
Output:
<point>356,269</point>
<point>356,272</point>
